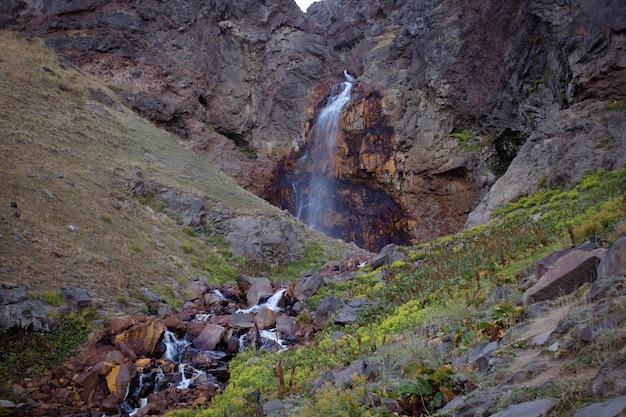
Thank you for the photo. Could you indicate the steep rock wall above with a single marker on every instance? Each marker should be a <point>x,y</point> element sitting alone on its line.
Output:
<point>486,99</point>
<point>231,79</point>
<point>475,87</point>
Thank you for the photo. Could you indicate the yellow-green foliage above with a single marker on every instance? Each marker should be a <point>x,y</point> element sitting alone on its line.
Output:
<point>169,295</point>
<point>53,298</point>
<point>338,402</point>
<point>600,222</point>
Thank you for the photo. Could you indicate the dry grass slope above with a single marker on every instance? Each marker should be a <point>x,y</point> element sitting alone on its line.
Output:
<point>67,149</point>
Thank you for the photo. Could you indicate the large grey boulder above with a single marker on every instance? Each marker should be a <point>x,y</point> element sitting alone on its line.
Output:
<point>388,255</point>
<point>17,310</point>
<point>307,285</point>
<point>76,299</point>
<point>259,290</point>
<point>571,271</point>
<point>328,306</point>
<point>264,239</point>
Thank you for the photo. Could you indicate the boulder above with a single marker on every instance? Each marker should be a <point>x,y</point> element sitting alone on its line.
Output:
<point>27,314</point>
<point>120,378</point>
<point>328,306</point>
<point>209,338</point>
<point>612,408</point>
<point>528,409</point>
<point>260,290</point>
<point>141,338</point>
<point>119,324</point>
<point>264,239</point>
<point>547,262</point>
<point>76,299</point>
<point>567,274</point>
<point>388,255</point>
<point>196,289</point>
<point>242,320</point>
<point>265,318</point>
<point>614,262</point>
<point>611,377</point>
<point>307,285</point>
<point>348,314</point>
<point>286,325</point>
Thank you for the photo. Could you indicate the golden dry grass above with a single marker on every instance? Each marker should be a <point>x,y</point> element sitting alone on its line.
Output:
<point>65,159</point>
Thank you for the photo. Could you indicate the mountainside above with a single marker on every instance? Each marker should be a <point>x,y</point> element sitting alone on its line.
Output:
<point>138,278</point>
<point>466,87</point>
<point>96,197</point>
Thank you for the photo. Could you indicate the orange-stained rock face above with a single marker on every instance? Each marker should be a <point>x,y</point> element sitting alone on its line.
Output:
<point>362,205</point>
<point>141,338</point>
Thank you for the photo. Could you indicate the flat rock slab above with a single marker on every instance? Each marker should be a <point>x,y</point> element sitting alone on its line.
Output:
<point>570,271</point>
<point>529,409</point>
<point>612,408</point>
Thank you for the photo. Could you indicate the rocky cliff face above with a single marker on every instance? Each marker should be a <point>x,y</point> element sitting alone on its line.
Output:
<point>486,101</point>
<point>232,80</point>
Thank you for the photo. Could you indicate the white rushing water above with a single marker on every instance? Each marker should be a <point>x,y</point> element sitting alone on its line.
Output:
<point>271,303</point>
<point>314,195</point>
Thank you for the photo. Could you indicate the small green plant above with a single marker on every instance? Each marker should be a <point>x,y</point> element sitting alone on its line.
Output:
<point>170,296</point>
<point>136,248</point>
<point>54,298</point>
<point>149,199</point>
<point>616,105</point>
<point>434,385</point>
<point>247,152</point>
<point>106,218</point>
<point>186,247</point>
<point>188,230</point>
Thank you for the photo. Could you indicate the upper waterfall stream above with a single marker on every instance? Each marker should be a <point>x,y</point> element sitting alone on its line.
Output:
<point>315,193</point>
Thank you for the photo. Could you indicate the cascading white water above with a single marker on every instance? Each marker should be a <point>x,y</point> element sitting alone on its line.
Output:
<point>271,303</point>
<point>314,195</point>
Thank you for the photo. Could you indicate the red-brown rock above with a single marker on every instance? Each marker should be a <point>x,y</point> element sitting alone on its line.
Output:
<point>209,338</point>
<point>567,274</point>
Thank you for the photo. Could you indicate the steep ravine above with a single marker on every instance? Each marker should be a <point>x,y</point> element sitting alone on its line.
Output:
<point>511,94</point>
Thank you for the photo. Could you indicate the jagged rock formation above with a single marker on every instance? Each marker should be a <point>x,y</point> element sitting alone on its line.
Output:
<point>486,100</point>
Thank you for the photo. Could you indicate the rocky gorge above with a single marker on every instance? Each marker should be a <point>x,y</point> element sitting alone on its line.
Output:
<point>477,174</point>
<point>464,93</point>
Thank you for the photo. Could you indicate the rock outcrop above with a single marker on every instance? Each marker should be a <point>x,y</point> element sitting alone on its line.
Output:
<point>482,102</point>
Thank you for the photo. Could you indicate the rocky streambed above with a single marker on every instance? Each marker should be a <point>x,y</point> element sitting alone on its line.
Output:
<point>148,365</point>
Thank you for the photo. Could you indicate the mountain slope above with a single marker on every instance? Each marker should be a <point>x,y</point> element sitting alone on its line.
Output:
<point>74,162</point>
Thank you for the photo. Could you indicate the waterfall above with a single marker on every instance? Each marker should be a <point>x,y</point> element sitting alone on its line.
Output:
<point>271,303</point>
<point>314,193</point>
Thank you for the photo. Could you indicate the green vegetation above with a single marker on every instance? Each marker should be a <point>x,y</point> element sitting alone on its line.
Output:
<point>467,141</point>
<point>443,291</point>
<point>34,354</point>
<point>54,298</point>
